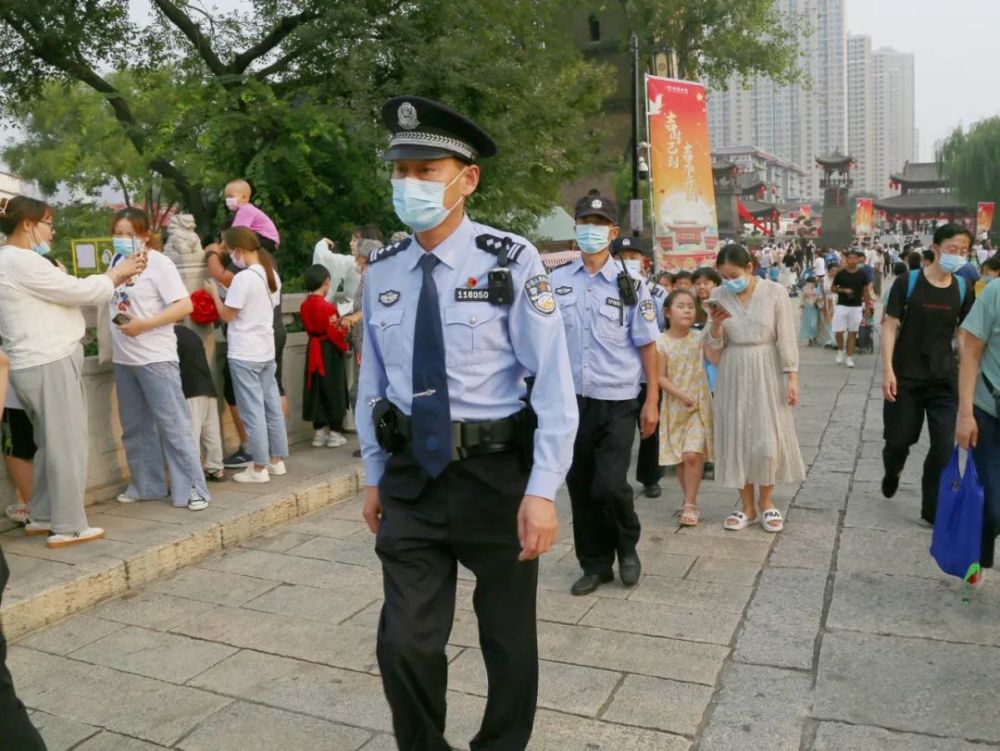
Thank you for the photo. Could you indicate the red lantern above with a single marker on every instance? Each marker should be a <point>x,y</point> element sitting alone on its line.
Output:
<point>204,312</point>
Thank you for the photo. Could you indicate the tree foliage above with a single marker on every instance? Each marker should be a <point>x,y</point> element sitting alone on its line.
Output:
<point>286,93</point>
<point>716,39</point>
<point>972,162</point>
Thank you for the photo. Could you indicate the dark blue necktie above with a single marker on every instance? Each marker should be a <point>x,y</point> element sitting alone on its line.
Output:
<point>430,411</point>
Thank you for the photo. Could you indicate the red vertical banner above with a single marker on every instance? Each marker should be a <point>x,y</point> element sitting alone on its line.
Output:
<point>984,216</point>
<point>806,211</point>
<point>864,216</point>
<point>685,229</point>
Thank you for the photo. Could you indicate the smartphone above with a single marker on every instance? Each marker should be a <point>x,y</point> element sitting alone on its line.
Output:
<point>712,304</point>
<point>120,320</point>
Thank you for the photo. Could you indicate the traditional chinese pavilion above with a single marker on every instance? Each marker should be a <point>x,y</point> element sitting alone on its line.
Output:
<point>924,195</point>
<point>836,184</point>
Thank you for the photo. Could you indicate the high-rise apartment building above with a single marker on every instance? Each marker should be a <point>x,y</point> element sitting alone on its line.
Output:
<point>794,122</point>
<point>861,113</point>
<point>893,103</point>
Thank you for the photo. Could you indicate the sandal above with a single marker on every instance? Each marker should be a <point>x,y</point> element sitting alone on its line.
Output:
<point>740,521</point>
<point>17,512</point>
<point>772,521</point>
<point>689,515</point>
<point>218,475</point>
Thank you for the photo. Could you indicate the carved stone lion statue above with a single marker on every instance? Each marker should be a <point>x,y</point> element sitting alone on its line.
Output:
<point>182,241</point>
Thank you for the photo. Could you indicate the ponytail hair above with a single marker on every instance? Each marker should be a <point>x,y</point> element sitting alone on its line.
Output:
<point>19,209</point>
<point>244,238</point>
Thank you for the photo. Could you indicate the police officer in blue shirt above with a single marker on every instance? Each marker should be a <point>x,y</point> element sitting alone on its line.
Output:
<point>465,418</point>
<point>611,332</point>
<point>630,251</point>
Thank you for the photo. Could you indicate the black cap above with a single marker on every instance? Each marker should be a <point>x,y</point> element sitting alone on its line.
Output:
<point>855,252</point>
<point>594,204</point>
<point>630,243</point>
<point>424,129</point>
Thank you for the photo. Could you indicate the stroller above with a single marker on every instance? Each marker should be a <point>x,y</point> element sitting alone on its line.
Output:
<point>866,333</point>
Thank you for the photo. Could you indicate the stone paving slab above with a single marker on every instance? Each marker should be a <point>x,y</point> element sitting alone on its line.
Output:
<point>149,539</point>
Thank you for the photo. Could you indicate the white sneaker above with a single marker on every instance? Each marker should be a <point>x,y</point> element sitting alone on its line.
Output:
<point>17,512</point>
<point>840,356</point>
<point>252,475</point>
<point>850,362</point>
<point>122,498</point>
<point>75,538</point>
<point>278,468</point>
<point>196,502</point>
<point>36,529</point>
<point>336,440</point>
<point>320,438</point>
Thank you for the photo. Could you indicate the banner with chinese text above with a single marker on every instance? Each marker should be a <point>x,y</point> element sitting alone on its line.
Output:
<point>984,216</point>
<point>685,229</point>
<point>864,216</point>
<point>806,211</point>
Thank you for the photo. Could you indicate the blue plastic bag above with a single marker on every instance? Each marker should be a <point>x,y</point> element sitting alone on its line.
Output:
<point>958,527</point>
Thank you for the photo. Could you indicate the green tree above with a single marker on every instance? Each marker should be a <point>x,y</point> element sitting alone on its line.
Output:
<point>972,162</point>
<point>286,93</point>
<point>717,39</point>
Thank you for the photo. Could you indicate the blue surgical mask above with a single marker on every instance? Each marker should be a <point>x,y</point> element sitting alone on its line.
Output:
<point>633,267</point>
<point>736,285</point>
<point>419,204</point>
<point>41,248</point>
<point>951,263</point>
<point>592,238</point>
<point>125,246</point>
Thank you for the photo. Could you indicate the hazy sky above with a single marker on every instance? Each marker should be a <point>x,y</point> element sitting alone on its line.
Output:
<point>955,49</point>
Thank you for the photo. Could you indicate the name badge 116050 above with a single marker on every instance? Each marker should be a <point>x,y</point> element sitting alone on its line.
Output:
<point>463,294</point>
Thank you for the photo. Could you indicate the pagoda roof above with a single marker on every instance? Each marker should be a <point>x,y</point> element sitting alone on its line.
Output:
<point>749,181</point>
<point>759,208</point>
<point>835,159</point>
<point>920,173</point>
<point>923,202</point>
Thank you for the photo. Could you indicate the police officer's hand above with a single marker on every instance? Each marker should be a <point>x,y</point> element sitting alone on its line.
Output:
<point>372,509</point>
<point>967,431</point>
<point>649,419</point>
<point>537,525</point>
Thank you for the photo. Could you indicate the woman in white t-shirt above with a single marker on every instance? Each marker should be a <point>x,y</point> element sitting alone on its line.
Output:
<point>249,311</point>
<point>151,404</point>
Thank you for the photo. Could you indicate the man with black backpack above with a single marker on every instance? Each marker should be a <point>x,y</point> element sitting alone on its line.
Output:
<point>925,308</point>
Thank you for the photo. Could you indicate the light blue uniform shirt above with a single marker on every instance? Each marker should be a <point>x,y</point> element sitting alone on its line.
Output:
<point>604,336</point>
<point>489,349</point>
<point>659,296</point>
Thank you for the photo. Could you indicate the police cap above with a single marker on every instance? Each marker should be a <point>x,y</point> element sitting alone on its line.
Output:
<point>594,204</point>
<point>630,243</point>
<point>424,129</point>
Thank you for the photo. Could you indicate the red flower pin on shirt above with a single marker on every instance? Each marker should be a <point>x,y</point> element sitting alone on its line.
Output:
<point>471,281</point>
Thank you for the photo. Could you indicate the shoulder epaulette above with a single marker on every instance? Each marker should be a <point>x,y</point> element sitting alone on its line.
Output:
<point>637,283</point>
<point>496,245</point>
<point>559,266</point>
<point>389,250</point>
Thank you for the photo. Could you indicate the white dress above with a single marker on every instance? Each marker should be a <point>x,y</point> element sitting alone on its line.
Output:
<point>755,439</point>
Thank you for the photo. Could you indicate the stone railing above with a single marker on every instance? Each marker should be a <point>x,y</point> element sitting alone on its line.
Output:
<point>107,470</point>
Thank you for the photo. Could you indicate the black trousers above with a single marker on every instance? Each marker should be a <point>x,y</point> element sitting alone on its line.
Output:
<point>604,518</point>
<point>647,466</point>
<point>467,515</point>
<point>16,731</point>
<point>904,420</point>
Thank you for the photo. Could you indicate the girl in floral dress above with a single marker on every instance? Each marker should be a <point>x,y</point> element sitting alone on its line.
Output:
<point>686,420</point>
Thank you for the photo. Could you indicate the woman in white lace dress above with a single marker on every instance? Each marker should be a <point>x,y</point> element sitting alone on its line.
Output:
<point>752,339</point>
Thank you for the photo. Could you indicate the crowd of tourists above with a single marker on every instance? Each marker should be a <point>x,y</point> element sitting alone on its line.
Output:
<point>482,383</point>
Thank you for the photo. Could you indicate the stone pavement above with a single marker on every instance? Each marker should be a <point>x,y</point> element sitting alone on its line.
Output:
<point>837,634</point>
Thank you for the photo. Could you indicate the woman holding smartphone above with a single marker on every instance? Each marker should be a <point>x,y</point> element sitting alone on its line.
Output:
<point>752,339</point>
<point>151,404</point>
<point>41,326</point>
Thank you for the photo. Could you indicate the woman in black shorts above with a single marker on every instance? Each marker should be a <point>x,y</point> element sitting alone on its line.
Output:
<point>18,442</point>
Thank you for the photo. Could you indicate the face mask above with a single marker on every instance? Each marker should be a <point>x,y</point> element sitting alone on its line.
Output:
<point>125,246</point>
<point>736,285</point>
<point>633,267</point>
<point>951,263</point>
<point>592,238</point>
<point>238,261</point>
<point>232,203</point>
<point>41,248</point>
<point>419,204</point>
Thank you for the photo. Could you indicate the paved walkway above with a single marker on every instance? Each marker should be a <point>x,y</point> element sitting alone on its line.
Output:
<point>837,634</point>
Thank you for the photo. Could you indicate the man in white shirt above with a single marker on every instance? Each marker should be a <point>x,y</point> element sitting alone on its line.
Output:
<point>819,267</point>
<point>342,268</point>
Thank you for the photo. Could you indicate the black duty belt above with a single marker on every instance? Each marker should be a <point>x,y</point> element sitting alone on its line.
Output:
<point>395,431</point>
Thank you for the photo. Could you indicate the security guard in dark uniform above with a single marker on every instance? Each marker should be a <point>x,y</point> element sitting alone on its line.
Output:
<point>611,333</point>
<point>466,420</point>
<point>630,251</point>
